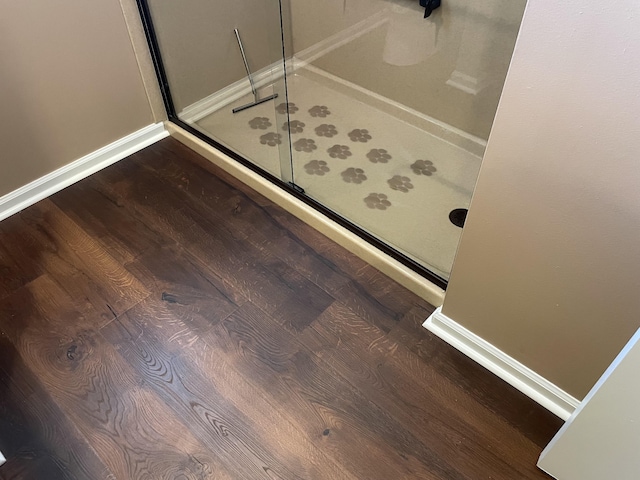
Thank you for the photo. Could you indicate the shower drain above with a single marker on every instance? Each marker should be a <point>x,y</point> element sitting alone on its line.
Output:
<point>458,216</point>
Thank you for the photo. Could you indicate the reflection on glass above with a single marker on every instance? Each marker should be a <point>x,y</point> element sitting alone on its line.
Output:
<point>383,114</point>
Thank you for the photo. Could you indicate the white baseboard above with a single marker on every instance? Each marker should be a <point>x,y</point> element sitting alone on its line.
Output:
<point>69,174</point>
<point>507,368</point>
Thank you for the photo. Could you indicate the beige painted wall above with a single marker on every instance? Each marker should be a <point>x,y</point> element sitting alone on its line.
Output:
<point>69,84</point>
<point>199,48</point>
<point>547,269</point>
<point>474,38</point>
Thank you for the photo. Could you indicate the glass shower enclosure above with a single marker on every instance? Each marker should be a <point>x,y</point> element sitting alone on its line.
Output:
<point>376,112</point>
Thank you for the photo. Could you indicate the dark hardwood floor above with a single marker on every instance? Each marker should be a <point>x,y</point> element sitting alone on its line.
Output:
<point>161,320</point>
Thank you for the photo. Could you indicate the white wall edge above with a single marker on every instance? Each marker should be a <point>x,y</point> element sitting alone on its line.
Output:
<point>55,181</point>
<point>601,381</point>
<point>504,366</point>
<point>2,459</point>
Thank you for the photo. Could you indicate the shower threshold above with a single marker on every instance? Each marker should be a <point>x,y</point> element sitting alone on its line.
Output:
<point>400,184</point>
<point>428,287</point>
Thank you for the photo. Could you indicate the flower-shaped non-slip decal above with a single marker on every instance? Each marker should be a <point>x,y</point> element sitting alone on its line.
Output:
<point>283,107</point>
<point>403,184</point>
<point>378,201</point>
<point>260,123</point>
<point>271,139</point>
<point>339,151</point>
<point>326,130</point>
<point>305,145</point>
<point>378,155</point>
<point>423,167</point>
<point>316,167</point>
<point>294,126</point>
<point>319,111</point>
<point>353,175</point>
<point>359,135</point>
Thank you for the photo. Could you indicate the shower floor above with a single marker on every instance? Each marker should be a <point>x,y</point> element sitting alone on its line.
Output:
<point>386,175</point>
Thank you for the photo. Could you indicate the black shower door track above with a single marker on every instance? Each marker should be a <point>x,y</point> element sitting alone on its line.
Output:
<point>152,40</point>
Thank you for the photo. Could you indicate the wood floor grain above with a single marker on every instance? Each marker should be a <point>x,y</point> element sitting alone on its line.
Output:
<point>160,320</point>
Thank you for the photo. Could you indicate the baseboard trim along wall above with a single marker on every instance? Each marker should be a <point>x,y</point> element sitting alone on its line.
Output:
<point>504,366</point>
<point>83,167</point>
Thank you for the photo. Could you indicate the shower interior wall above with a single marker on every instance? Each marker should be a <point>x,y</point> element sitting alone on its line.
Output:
<point>458,83</point>
<point>199,49</point>
<point>459,79</point>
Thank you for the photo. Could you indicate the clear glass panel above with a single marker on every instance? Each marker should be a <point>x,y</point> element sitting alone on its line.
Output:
<point>394,111</point>
<point>207,76</point>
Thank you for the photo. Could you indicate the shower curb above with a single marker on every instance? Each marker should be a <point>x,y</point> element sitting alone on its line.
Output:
<point>406,277</point>
<point>519,376</point>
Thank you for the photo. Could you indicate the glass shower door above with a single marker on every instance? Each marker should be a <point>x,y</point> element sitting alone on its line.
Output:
<point>223,71</point>
<point>376,112</point>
